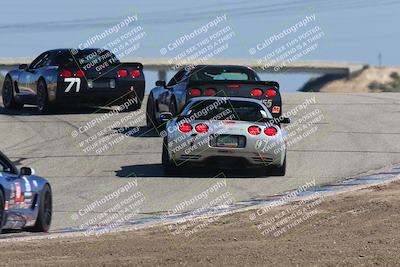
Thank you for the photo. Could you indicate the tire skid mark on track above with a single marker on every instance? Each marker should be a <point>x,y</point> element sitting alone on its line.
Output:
<point>371,178</point>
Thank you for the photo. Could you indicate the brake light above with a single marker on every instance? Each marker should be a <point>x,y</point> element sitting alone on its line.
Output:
<point>270,131</point>
<point>185,128</point>
<point>195,92</point>
<point>256,92</point>
<point>270,93</point>
<point>66,73</point>
<point>254,130</point>
<point>79,74</point>
<point>233,85</point>
<point>228,122</point>
<point>122,73</point>
<point>210,92</point>
<point>201,128</point>
<point>135,73</point>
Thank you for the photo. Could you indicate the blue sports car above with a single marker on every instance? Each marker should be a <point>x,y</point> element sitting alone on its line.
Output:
<point>25,199</point>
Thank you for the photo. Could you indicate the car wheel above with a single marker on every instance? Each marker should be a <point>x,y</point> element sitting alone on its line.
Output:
<point>2,212</point>
<point>43,221</point>
<point>42,99</point>
<point>168,166</point>
<point>273,170</point>
<point>150,113</point>
<point>132,107</point>
<point>8,95</point>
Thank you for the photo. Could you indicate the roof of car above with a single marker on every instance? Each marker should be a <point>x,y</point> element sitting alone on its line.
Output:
<point>226,66</point>
<point>69,49</point>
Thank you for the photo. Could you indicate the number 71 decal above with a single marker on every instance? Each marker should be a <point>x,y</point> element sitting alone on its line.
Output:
<point>71,82</point>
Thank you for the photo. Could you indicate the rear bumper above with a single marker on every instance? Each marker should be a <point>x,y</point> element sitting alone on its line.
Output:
<point>103,96</point>
<point>227,157</point>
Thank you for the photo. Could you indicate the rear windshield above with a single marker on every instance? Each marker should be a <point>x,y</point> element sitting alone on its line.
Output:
<point>88,57</point>
<point>220,73</point>
<point>223,110</point>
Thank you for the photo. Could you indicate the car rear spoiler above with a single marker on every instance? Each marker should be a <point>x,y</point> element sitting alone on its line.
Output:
<point>221,82</point>
<point>137,65</point>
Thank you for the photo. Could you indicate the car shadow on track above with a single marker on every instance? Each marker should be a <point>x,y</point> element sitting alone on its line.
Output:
<point>67,110</point>
<point>138,131</point>
<point>156,171</point>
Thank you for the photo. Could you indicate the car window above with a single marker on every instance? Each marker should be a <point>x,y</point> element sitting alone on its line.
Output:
<point>40,61</point>
<point>228,110</point>
<point>87,57</point>
<point>221,73</point>
<point>177,78</point>
<point>4,167</point>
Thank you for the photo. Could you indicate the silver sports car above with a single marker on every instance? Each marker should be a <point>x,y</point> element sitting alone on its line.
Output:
<point>225,132</point>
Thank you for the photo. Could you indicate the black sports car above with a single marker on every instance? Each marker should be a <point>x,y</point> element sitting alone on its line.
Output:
<point>65,76</point>
<point>210,80</point>
<point>25,199</point>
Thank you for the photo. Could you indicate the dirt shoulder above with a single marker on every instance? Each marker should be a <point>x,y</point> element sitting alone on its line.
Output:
<point>351,229</point>
<point>372,79</point>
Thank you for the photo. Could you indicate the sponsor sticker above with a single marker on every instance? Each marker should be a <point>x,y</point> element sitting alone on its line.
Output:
<point>18,193</point>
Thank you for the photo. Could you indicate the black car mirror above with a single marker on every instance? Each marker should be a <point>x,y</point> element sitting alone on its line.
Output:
<point>161,83</point>
<point>26,171</point>
<point>23,66</point>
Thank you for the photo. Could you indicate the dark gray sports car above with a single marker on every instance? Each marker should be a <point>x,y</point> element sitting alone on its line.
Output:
<point>25,199</point>
<point>67,76</point>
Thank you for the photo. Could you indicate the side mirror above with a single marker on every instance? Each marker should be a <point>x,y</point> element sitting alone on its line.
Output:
<point>161,83</point>
<point>285,120</point>
<point>166,116</point>
<point>23,66</point>
<point>26,171</point>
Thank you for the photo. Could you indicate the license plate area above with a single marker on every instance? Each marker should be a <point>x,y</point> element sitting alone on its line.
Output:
<point>228,141</point>
<point>101,83</point>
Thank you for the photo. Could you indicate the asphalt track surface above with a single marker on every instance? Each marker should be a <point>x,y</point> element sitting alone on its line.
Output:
<point>358,132</point>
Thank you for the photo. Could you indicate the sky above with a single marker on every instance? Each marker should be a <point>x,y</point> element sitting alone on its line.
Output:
<point>353,30</point>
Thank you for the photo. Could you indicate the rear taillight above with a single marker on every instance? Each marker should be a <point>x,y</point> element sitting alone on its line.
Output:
<point>256,92</point>
<point>135,73</point>
<point>233,85</point>
<point>210,92</point>
<point>270,131</point>
<point>254,130</point>
<point>276,109</point>
<point>201,128</point>
<point>66,73</point>
<point>195,92</point>
<point>185,128</point>
<point>122,73</point>
<point>79,74</point>
<point>270,93</point>
<point>228,122</point>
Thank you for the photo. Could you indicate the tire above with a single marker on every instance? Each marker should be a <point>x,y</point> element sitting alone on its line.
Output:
<point>42,98</point>
<point>8,95</point>
<point>168,166</point>
<point>43,221</point>
<point>2,212</point>
<point>273,170</point>
<point>150,113</point>
<point>132,107</point>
